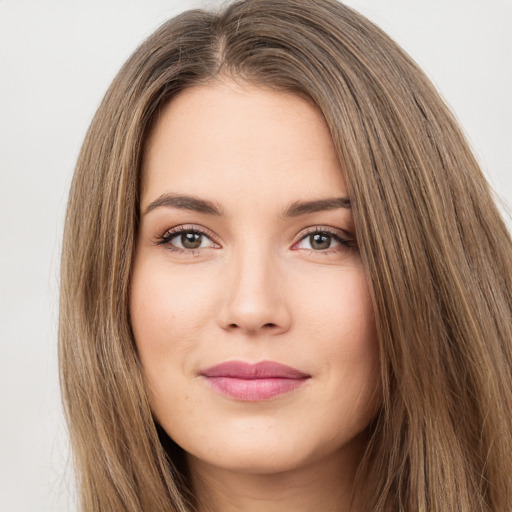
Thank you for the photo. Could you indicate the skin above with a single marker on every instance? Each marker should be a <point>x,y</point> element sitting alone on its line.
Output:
<point>258,288</point>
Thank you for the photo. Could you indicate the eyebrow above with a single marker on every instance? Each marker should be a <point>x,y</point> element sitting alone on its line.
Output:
<point>296,209</point>
<point>185,202</point>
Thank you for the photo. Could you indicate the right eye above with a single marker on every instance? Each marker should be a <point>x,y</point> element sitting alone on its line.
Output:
<point>183,239</point>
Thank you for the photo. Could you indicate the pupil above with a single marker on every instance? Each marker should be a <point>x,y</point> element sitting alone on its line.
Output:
<point>191,240</point>
<point>320,241</point>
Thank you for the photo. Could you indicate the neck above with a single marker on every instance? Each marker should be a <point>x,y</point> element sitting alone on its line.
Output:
<point>326,485</point>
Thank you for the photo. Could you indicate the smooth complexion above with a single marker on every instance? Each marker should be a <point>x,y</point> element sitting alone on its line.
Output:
<point>232,271</point>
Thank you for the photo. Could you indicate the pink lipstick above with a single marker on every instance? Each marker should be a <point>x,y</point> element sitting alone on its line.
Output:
<point>253,382</point>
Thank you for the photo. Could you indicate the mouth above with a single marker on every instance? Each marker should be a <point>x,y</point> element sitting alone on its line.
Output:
<point>253,382</point>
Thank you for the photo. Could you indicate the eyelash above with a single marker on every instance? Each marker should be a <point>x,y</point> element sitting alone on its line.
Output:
<point>345,243</point>
<point>165,240</point>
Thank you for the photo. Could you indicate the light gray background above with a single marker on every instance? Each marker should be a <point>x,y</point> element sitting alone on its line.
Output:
<point>56,61</point>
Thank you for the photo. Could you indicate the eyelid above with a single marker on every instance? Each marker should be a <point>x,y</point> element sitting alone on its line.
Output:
<point>170,233</point>
<point>344,240</point>
<point>341,233</point>
<point>321,228</point>
<point>343,237</point>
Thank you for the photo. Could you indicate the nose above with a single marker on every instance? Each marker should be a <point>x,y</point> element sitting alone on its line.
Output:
<point>254,299</point>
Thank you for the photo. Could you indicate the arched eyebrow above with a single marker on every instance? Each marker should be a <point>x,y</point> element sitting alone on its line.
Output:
<point>296,209</point>
<point>186,202</point>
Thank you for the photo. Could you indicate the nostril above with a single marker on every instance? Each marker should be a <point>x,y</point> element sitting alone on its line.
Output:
<point>269,325</point>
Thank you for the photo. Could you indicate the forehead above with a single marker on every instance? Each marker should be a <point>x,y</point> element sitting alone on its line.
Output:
<point>226,138</point>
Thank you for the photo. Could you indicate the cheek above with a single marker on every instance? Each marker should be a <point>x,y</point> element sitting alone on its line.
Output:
<point>168,315</point>
<point>165,306</point>
<point>339,317</point>
<point>339,309</point>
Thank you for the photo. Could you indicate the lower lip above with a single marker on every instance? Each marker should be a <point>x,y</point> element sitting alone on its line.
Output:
<point>253,390</point>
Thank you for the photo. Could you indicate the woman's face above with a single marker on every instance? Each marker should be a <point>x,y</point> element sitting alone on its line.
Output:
<point>249,303</point>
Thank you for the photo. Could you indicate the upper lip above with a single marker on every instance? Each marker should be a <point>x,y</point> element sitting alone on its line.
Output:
<point>249,371</point>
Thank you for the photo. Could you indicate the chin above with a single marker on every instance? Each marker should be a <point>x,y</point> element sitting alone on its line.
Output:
<point>254,460</point>
<point>272,453</point>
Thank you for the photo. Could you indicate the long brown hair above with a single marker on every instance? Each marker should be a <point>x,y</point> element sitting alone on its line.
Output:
<point>437,255</point>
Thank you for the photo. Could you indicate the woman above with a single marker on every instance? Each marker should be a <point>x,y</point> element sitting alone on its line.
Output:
<point>285,285</point>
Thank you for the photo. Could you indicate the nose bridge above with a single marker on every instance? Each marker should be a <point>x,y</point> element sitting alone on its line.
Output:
<point>254,297</point>
<point>253,268</point>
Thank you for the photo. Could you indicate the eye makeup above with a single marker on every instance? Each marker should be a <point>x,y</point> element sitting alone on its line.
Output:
<point>192,239</point>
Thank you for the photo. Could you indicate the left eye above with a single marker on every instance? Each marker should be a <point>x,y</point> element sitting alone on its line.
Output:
<point>319,241</point>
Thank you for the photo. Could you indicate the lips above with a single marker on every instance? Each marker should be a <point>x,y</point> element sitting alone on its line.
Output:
<point>253,382</point>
